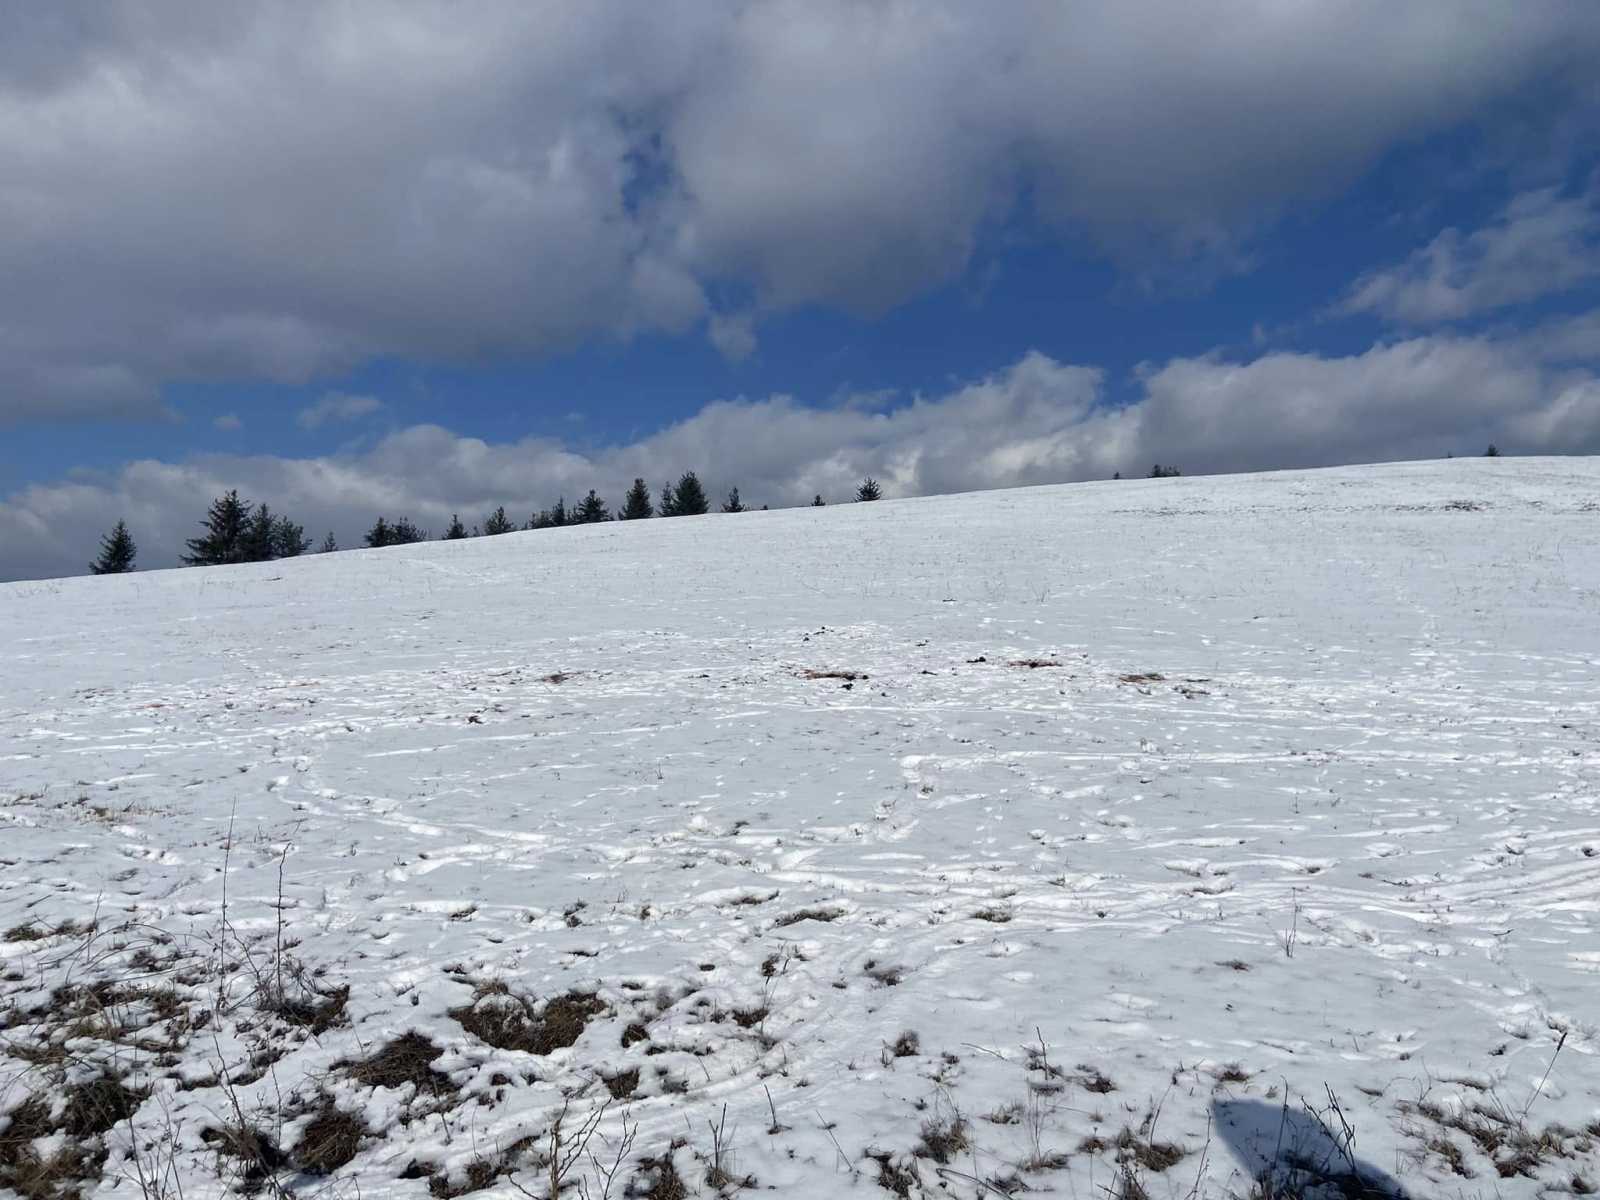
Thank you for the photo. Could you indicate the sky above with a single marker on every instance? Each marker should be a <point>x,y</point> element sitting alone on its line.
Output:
<point>425,258</point>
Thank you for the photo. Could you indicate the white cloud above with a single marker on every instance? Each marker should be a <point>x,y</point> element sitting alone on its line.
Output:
<point>1038,421</point>
<point>1542,244</point>
<point>227,423</point>
<point>337,406</point>
<point>453,184</point>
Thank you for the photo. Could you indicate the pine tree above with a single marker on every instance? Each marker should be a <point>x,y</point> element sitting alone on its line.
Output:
<point>457,530</point>
<point>637,506</point>
<point>1492,452</point>
<point>869,490</point>
<point>558,514</point>
<point>1116,474</point>
<point>380,534</point>
<point>1160,472</point>
<point>668,507</point>
<point>288,539</point>
<point>497,523</point>
<point>689,498</point>
<point>733,503</point>
<point>226,524</point>
<point>116,552</point>
<point>591,510</point>
<point>329,545</point>
<point>817,501</point>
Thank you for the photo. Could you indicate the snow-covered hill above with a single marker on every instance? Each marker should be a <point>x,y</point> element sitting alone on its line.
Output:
<point>1109,836</point>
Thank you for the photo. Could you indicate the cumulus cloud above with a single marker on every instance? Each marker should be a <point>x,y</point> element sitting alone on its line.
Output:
<point>1542,244</point>
<point>337,407</point>
<point>1037,421</point>
<point>284,190</point>
<point>227,423</point>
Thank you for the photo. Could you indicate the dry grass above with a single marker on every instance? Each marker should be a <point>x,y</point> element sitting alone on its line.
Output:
<point>407,1059</point>
<point>330,1141</point>
<point>942,1139</point>
<point>623,1084</point>
<point>509,1022</point>
<point>808,914</point>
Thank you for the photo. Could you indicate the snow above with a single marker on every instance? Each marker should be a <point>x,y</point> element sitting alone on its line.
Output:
<point>1301,809</point>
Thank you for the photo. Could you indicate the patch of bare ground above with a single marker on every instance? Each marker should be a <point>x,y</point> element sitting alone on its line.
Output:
<point>406,1059</point>
<point>808,914</point>
<point>508,1022</point>
<point>847,676</point>
<point>329,1141</point>
<point>1033,664</point>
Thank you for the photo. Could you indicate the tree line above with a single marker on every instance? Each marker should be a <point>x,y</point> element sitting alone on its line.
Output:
<point>235,531</point>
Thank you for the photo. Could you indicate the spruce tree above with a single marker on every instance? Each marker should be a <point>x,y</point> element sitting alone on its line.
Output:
<point>733,503</point>
<point>116,552</point>
<point>668,504</point>
<point>457,530</point>
<point>329,545</point>
<point>497,523</point>
<point>288,539</point>
<point>689,498</point>
<point>817,501</point>
<point>226,524</point>
<point>257,542</point>
<point>558,514</point>
<point>403,533</point>
<point>637,506</point>
<point>591,510</point>
<point>1492,452</point>
<point>380,534</point>
<point>869,490</point>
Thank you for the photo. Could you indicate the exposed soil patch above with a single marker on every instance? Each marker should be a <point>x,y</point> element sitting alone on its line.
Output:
<point>847,676</point>
<point>1033,664</point>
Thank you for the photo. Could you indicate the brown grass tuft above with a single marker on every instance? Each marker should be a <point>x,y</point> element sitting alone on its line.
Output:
<point>407,1059</point>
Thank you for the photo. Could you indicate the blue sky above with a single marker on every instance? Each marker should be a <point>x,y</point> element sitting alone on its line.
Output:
<point>429,260</point>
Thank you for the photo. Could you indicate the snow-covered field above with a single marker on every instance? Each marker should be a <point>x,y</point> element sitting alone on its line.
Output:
<point>1294,821</point>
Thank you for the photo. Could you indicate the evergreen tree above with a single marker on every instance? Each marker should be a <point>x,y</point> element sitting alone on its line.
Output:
<point>457,530</point>
<point>817,501</point>
<point>328,544</point>
<point>288,539</point>
<point>1116,474</point>
<point>497,523</point>
<point>668,507</point>
<point>116,552</point>
<point>869,490</point>
<point>380,534</point>
<point>637,506</point>
<point>689,498</point>
<point>558,514</point>
<point>1160,472</point>
<point>226,524</point>
<point>403,533</point>
<point>1492,452</point>
<point>733,503</point>
<point>591,510</point>
<point>256,545</point>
